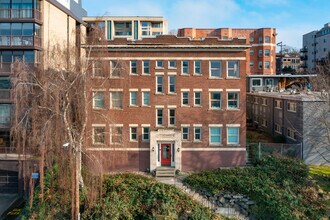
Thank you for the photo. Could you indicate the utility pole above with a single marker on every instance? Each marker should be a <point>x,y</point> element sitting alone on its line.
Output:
<point>280,44</point>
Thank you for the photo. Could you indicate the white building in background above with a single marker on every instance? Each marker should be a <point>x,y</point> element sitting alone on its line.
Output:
<point>316,47</point>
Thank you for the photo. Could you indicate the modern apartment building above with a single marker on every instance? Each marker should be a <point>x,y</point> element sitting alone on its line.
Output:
<point>316,47</point>
<point>28,29</point>
<point>168,101</point>
<point>261,56</point>
<point>299,117</point>
<point>133,28</point>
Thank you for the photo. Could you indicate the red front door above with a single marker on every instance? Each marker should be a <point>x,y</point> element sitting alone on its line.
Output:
<point>165,154</point>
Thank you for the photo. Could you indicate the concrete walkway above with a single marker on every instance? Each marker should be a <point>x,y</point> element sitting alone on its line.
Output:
<point>6,200</point>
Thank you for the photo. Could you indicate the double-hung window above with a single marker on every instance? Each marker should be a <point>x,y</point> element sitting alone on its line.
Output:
<point>116,100</point>
<point>232,135</point>
<point>233,69</point>
<point>146,66</point>
<point>98,100</point>
<point>160,87</point>
<point>197,67</point>
<point>116,69</point>
<point>116,134</point>
<point>197,98</point>
<point>171,117</point>
<point>233,100</point>
<point>133,67</point>
<point>133,98</point>
<point>185,133</point>
<point>145,98</point>
<point>159,64</point>
<point>197,133</point>
<point>160,117</point>
<point>215,100</point>
<point>171,84</point>
<point>185,67</point>
<point>145,133</point>
<point>133,134</point>
<point>215,135</point>
<point>172,64</point>
<point>98,135</point>
<point>185,98</point>
<point>215,69</point>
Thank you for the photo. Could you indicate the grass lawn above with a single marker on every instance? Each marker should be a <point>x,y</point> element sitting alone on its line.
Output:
<point>321,176</point>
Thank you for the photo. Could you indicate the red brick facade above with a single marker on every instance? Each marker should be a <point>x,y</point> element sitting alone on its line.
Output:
<point>213,134</point>
<point>257,38</point>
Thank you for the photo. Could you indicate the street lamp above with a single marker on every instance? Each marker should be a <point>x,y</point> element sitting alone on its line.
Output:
<point>280,44</point>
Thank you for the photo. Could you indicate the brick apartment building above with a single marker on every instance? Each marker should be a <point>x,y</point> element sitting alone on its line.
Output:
<point>168,101</point>
<point>261,56</point>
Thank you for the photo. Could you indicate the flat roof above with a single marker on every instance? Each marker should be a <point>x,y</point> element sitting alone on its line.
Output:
<point>300,96</point>
<point>281,76</point>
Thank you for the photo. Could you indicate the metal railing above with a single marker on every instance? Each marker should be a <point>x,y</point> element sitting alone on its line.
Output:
<point>20,13</point>
<point>21,41</point>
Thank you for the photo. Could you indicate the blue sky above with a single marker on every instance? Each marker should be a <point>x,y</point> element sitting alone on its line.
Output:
<point>291,18</point>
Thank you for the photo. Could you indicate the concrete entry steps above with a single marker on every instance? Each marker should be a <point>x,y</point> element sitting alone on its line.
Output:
<point>165,172</point>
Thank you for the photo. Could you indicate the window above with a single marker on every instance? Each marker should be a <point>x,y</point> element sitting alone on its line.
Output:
<point>267,65</point>
<point>215,69</point>
<point>251,52</point>
<point>278,104</point>
<point>292,134</point>
<point>292,107</point>
<point>145,133</point>
<point>185,98</point>
<point>251,39</point>
<point>233,135</point>
<point>98,100</point>
<point>197,134</point>
<point>215,100</point>
<point>185,133</point>
<point>264,101</point>
<point>197,67</point>
<point>171,117</point>
<point>255,100</point>
<point>233,100</point>
<point>133,67</point>
<point>233,69</point>
<point>260,53</point>
<point>267,39</point>
<point>146,98</point>
<point>251,64</point>
<point>101,68</point>
<point>116,135</point>
<point>269,82</point>
<point>5,110</point>
<point>146,67</point>
<point>116,69</point>
<point>159,64</point>
<point>133,98</point>
<point>133,133</point>
<point>264,122</point>
<point>98,135</point>
<point>172,64</point>
<point>116,99</point>
<point>185,67</point>
<point>267,53</point>
<point>215,135</point>
<point>197,98</point>
<point>260,40</point>
<point>159,84</point>
<point>171,84</point>
<point>260,65</point>
<point>278,128</point>
<point>159,117</point>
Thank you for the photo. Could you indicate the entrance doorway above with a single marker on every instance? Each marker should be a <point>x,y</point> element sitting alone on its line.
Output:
<point>165,154</point>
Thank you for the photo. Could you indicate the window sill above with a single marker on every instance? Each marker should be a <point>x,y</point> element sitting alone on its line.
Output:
<point>159,68</point>
<point>214,77</point>
<point>184,74</point>
<point>185,141</point>
<point>145,106</point>
<point>171,93</point>
<point>146,141</point>
<point>232,77</point>
<point>215,145</point>
<point>133,74</point>
<point>172,68</point>
<point>159,93</point>
<point>94,108</point>
<point>233,145</point>
<point>116,77</point>
<point>233,109</point>
<point>145,74</point>
<point>215,109</point>
<point>133,106</point>
<point>198,106</point>
<point>197,74</point>
<point>198,141</point>
<point>185,106</point>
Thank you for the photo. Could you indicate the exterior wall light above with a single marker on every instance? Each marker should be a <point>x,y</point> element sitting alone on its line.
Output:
<point>152,149</point>
<point>178,149</point>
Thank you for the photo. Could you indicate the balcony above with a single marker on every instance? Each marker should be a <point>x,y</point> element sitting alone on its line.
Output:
<point>27,14</point>
<point>305,57</point>
<point>23,42</point>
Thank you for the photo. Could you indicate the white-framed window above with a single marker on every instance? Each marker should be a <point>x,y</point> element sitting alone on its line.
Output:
<point>233,69</point>
<point>197,134</point>
<point>278,128</point>
<point>215,135</point>
<point>215,69</point>
<point>133,134</point>
<point>260,53</point>
<point>116,136</point>
<point>267,65</point>
<point>215,100</point>
<point>251,39</point>
<point>101,68</point>
<point>185,98</point>
<point>256,100</point>
<point>146,67</point>
<point>116,69</point>
<point>251,52</point>
<point>278,104</point>
<point>267,53</point>
<point>292,107</point>
<point>292,134</point>
<point>264,101</point>
<point>269,82</point>
<point>232,135</point>
<point>185,133</point>
<point>133,98</point>
<point>185,67</point>
<point>99,135</point>
<point>171,84</point>
<point>232,100</point>
<point>260,65</point>
<point>116,100</point>
<point>160,86</point>
<point>172,64</point>
<point>197,67</point>
<point>160,117</point>
<point>171,117</point>
<point>197,98</point>
<point>251,64</point>
<point>98,100</point>
<point>159,64</point>
<point>145,134</point>
<point>267,39</point>
<point>133,64</point>
<point>145,98</point>
<point>264,122</point>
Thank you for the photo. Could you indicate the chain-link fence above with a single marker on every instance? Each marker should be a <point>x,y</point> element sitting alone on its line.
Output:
<point>258,150</point>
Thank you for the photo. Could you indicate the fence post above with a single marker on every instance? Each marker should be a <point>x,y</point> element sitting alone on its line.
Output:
<point>259,150</point>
